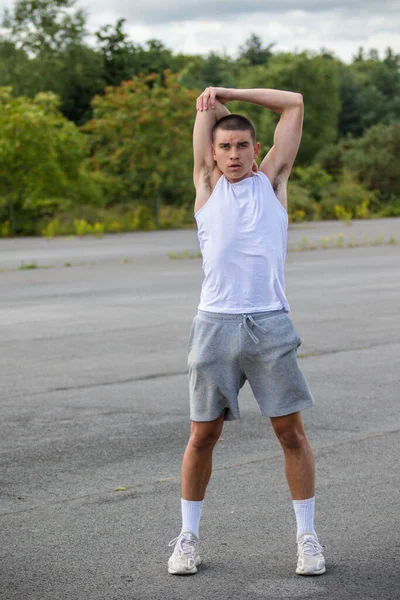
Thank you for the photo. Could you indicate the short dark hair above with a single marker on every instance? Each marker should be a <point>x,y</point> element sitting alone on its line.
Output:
<point>234,123</point>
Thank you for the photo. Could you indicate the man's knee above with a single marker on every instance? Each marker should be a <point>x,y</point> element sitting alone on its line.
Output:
<point>290,432</point>
<point>292,440</point>
<point>204,436</point>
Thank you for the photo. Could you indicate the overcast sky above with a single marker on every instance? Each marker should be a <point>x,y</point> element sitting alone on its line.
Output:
<point>201,26</point>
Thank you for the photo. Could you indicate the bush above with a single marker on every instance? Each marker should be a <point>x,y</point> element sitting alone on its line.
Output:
<point>5,229</point>
<point>374,159</point>
<point>41,155</point>
<point>390,210</point>
<point>301,206</point>
<point>314,179</point>
<point>172,217</point>
<point>350,195</point>
<point>342,214</point>
<point>142,219</point>
<point>52,229</point>
<point>330,159</point>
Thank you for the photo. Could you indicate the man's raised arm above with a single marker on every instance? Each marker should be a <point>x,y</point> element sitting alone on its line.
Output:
<point>278,163</point>
<point>208,113</point>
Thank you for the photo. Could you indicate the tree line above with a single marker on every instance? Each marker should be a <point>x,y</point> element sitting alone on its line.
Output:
<point>98,130</point>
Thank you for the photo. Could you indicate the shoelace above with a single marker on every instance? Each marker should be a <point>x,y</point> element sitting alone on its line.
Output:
<point>184,545</point>
<point>310,546</point>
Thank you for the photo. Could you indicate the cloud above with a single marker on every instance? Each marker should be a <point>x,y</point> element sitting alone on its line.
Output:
<point>292,32</point>
<point>152,12</point>
<point>194,27</point>
<point>199,27</point>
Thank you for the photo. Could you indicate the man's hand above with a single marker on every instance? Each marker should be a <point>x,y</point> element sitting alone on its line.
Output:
<point>207,99</point>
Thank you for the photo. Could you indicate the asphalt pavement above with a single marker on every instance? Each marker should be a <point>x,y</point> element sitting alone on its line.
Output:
<point>94,421</point>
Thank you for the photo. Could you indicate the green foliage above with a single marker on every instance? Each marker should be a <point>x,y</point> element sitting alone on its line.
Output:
<point>342,214</point>
<point>374,159</point>
<point>116,52</point>
<point>317,78</point>
<point>313,195</point>
<point>314,179</point>
<point>51,229</point>
<point>132,167</point>
<point>40,159</point>
<point>301,206</point>
<point>173,217</point>
<point>5,229</point>
<point>350,196</point>
<point>213,70</point>
<point>43,26</point>
<point>392,209</point>
<point>253,51</point>
<point>16,68</point>
<point>83,228</point>
<point>370,92</point>
<point>122,59</point>
<point>44,50</point>
<point>76,78</point>
<point>141,136</point>
<point>89,220</point>
<point>330,158</point>
<point>28,266</point>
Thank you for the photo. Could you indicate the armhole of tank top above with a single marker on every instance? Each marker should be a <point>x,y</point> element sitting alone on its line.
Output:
<point>273,192</point>
<point>209,199</point>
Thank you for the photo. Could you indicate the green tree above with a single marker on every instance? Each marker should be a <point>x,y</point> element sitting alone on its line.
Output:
<point>44,50</point>
<point>155,58</point>
<point>122,59</point>
<point>254,52</point>
<point>76,78</point>
<point>200,72</point>
<point>141,134</point>
<point>118,54</point>
<point>375,160</point>
<point>44,26</point>
<point>41,157</point>
<point>16,68</point>
<point>314,76</point>
<point>369,92</point>
<point>314,179</point>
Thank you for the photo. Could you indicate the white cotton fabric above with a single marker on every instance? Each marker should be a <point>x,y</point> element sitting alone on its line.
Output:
<point>242,231</point>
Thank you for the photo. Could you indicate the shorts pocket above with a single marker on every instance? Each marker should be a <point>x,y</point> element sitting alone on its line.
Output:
<point>293,330</point>
<point>191,335</point>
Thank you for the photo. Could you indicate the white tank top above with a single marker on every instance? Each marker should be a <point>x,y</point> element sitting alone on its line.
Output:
<point>242,231</point>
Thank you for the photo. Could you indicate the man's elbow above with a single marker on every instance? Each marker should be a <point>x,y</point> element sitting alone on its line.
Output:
<point>298,99</point>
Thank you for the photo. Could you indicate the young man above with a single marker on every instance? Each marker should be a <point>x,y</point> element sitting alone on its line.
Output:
<point>242,330</point>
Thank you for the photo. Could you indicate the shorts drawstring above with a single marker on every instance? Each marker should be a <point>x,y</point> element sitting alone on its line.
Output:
<point>249,331</point>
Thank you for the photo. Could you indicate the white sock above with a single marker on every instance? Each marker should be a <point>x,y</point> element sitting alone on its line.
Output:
<point>191,513</point>
<point>304,511</point>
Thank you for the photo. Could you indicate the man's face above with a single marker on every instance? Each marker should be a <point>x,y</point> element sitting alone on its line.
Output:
<point>234,153</point>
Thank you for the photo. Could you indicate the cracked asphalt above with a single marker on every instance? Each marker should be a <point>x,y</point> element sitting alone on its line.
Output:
<point>93,397</point>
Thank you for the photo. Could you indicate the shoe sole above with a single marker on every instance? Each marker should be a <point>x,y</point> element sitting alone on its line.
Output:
<point>301,572</point>
<point>186,572</point>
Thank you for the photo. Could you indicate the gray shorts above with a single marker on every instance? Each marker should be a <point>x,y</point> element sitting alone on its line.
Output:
<point>226,350</point>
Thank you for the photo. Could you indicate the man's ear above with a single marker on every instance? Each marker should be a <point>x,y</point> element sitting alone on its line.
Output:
<point>257,149</point>
<point>213,152</point>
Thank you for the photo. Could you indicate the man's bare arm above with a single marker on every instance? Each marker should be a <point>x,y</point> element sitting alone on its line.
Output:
<point>278,163</point>
<point>206,117</point>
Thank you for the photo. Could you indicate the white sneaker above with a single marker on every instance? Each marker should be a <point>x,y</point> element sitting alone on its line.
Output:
<point>310,558</point>
<point>185,558</point>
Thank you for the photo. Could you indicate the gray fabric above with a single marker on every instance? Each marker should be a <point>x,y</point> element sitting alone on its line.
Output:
<point>226,350</point>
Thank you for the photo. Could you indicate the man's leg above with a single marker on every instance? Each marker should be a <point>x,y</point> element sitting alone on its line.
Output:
<point>300,474</point>
<point>196,472</point>
<point>197,460</point>
<point>299,458</point>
